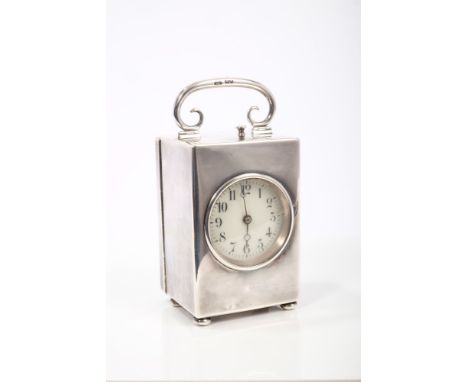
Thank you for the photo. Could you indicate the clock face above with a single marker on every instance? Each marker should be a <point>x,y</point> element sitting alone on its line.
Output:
<point>249,222</point>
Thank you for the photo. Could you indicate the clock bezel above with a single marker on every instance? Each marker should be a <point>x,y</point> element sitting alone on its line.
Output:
<point>284,236</point>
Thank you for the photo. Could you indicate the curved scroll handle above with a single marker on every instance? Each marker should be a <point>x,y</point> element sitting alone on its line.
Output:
<point>192,132</point>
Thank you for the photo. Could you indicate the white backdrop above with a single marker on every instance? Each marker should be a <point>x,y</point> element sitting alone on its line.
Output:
<point>308,54</point>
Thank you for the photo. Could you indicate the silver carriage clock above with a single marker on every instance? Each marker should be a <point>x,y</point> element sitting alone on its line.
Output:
<point>229,215</point>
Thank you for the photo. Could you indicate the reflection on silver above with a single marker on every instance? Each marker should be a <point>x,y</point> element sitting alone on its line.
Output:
<point>192,132</point>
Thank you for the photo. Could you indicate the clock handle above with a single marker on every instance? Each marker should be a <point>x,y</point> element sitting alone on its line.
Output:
<point>192,132</point>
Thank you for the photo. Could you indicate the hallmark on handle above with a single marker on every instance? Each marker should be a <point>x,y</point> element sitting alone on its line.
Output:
<point>192,132</point>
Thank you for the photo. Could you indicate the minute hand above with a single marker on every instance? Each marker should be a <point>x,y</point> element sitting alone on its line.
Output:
<point>245,205</point>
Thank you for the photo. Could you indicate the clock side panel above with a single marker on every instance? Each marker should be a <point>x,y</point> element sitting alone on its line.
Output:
<point>222,291</point>
<point>159,203</point>
<point>177,236</point>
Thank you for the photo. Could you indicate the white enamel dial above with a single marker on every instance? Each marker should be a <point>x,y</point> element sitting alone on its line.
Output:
<point>249,221</point>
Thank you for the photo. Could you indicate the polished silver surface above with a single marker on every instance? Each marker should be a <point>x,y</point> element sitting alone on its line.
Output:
<point>220,290</point>
<point>192,132</point>
<point>191,173</point>
<point>289,306</point>
<point>283,239</point>
<point>177,256</point>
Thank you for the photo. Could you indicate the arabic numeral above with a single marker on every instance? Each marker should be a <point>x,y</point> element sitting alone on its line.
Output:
<point>222,206</point>
<point>260,244</point>
<point>245,189</point>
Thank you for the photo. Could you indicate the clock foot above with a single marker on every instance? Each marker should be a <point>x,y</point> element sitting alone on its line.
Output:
<point>202,321</point>
<point>175,304</point>
<point>288,306</point>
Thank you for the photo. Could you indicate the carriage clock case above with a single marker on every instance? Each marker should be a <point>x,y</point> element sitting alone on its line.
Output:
<point>229,214</point>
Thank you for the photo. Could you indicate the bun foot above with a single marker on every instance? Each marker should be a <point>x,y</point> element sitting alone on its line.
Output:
<point>202,321</point>
<point>288,306</point>
<point>175,304</point>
